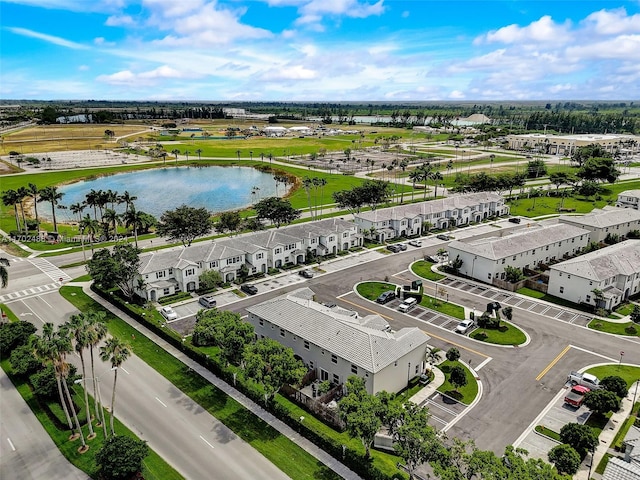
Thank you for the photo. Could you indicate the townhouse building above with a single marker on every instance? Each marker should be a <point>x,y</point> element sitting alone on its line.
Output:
<point>603,278</point>
<point>166,272</point>
<point>338,345</point>
<point>629,199</point>
<point>414,219</point>
<point>604,221</point>
<point>485,259</point>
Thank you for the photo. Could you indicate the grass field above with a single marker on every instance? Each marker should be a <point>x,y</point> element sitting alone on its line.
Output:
<point>614,327</point>
<point>508,334</point>
<point>465,394</point>
<point>372,290</point>
<point>629,373</point>
<point>422,268</point>
<point>441,306</point>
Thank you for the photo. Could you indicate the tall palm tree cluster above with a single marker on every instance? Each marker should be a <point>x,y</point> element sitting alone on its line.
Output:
<point>314,184</point>
<point>16,198</point>
<point>82,332</point>
<point>425,173</point>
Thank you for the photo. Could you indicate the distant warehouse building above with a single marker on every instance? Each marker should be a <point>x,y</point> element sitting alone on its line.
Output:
<point>567,144</point>
<point>604,221</point>
<point>612,271</point>
<point>485,259</point>
<point>629,199</point>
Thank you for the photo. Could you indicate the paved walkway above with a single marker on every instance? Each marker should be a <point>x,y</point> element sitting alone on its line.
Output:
<point>283,428</point>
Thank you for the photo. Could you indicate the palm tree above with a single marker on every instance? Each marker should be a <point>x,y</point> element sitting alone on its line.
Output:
<point>52,195</point>
<point>199,152</point>
<point>414,176</point>
<point>251,155</point>
<point>433,355</point>
<point>95,335</point>
<point>44,350</point>
<point>76,209</point>
<point>112,198</point>
<point>91,200</point>
<point>115,351</point>
<point>10,198</point>
<point>111,217</point>
<point>33,191</point>
<point>79,327</point>
<point>175,151</point>
<point>127,199</point>
<point>133,219</point>
<point>316,184</point>
<point>88,225</point>
<point>436,177</point>
<point>403,165</point>
<point>306,184</point>
<point>23,193</point>
<point>4,273</point>
<point>238,154</point>
<point>323,182</point>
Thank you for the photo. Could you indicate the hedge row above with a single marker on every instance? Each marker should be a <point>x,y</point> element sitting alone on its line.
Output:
<point>351,458</point>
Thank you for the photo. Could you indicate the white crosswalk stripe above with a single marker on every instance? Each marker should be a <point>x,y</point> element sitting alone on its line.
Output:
<point>49,269</point>
<point>28,292</point>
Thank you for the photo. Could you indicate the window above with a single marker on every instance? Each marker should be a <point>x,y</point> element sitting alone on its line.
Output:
<point>561,289</point>
<point>332,238</point>
<point>514,258</point>
<point>306,344</point>
<point>336,379</point>
<point>354,369</point>
<point>282,332</point>
<point>161,274</point>
<point>345,234</point>
<point>311,364</point>
<point>190,271</point>
<point>547,247</point>
<point>259,256</point>
<point>489,275</point>
<point>213,264</point>
<point>503,261</point>
<point>533,252</point>
<point>334,358</point>
<point>261,322</point>
<point>171,271</point>
<point>278,250</point>
<point>166,291</point>
<point>588,298</point>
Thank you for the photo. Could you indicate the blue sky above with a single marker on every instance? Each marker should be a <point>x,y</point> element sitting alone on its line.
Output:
<point>320,50</point>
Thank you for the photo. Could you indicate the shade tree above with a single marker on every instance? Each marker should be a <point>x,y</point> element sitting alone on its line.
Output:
<point>184,224</point>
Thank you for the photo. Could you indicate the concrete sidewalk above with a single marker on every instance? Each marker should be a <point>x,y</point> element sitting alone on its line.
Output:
<point>283,428</point>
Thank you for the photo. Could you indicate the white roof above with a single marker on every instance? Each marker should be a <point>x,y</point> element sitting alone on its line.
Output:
<point>534,236</point>
<point>604,217</point>
<point>629,193</point>
<point>350,338</point>
<point>618,469</point>
<point>620,259</point>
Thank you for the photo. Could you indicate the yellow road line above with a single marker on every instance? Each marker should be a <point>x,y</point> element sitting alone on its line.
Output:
<point>553,362</point>
<point>428,333</point>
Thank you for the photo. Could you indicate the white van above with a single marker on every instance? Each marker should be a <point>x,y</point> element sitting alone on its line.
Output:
<point>408,304</point>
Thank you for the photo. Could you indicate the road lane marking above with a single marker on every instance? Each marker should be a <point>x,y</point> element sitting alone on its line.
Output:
<point>122,368</point>
<point>486,360</point>
<point>553,362</point>
<point>612,360</point>
<point>161,402</point>
<point>33,312</point>
<point>11,444</point>
<point>48,304</point>
<point>206,442</point>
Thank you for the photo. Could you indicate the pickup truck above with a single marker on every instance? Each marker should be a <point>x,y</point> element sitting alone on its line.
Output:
<point>575,396</point>
<point>584,379</point>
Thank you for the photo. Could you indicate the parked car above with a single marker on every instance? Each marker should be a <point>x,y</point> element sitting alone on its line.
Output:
<point>415,243</point>
<point>443,236</point>
<point>464,326</point>
<point>393,248</point>
<point>386,297</point>
<point>249,289</point>
<point>515,219</point>
<point>402,246</point>
<point>207,302</point>
<point>584,379</point>
<point>575,396</point>
<point>408,304</point>
<point>168,313</point>
<point>306,273</point>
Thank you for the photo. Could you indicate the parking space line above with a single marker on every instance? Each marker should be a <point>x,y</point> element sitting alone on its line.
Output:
<point>612,360</point>
<point>553,362</point>
<point>206,442</point>
<point>161,402</point>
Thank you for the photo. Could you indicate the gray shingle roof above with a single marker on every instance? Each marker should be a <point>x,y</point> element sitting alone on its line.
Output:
<point>604,217</point>
<point>535,236</point>
<point>618,469</point>
<point>430,207</point>
<point>363,346</point>
<point>620,259</point>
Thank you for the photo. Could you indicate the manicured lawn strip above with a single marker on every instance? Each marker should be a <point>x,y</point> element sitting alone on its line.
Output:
<point>511,335</point>
<point>598,422</point>
<point>281,451</point>
<point>617,440</point>
<point>625,309</point>
<point>155,468</point>
<point>627,372</point>
<point>422,268</point>
<point>548,432</point>
<point>602,465</point>
<point>551,299</point>
<point>467,393</point>
<point>614,327</point>
<point>12,316</point>
<point>372,290</point>
<point>447,308</point>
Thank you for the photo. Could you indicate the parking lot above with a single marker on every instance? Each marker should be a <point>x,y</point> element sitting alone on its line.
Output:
<point>530,304</point>
<point>558,415</point>
<point>429,316</point>
<point>443,409</point>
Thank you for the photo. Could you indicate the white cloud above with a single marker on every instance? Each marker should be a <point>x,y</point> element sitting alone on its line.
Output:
<point>456,95</point>
<point>613,22</point>
<point>174,8</point>
<point>315,10</point>
<point>48,38</point>
<point>83,68</point>
<point>100,41</point>
<point>119,21</point>
<point>127,77</point>
<point>543,30</point>
<point>294,72</point>
<point>74,5</point>
<point>405,14</point>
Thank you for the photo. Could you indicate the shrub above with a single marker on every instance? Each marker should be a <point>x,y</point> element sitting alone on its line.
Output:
<point>616,385</point>
<point>13,335</point>
<point>121,457</point>
<point>23,361</point>
<point>581,437</point>
<point>565,458</point>
<point>631,330</point>
<point>453,354</point>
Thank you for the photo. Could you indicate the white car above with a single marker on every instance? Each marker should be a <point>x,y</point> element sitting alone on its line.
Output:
<point>168,313</point>
<point>464,326</point>
<point>415,243</point>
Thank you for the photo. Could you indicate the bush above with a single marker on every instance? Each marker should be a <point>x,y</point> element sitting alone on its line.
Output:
<point>565,458</point>
<point>631,330</point>
<point>121,457</point>
<point>13,335</point>
<point>581,437</point>
<point>453,354</point>
<point>23,361</point>
<point>616,385</point>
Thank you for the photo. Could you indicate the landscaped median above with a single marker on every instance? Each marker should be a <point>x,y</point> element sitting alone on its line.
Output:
<point>466,393</point>
<point>282,452</point>
<point>629,329</point>
<point>505,334</point>
<point>422,268</point>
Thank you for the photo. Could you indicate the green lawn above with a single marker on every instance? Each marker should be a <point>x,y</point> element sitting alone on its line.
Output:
<point>281,451</point>
<point>422,268</point>
<point>447,308</point>
<point>548,432</point>
<point>509,334</point>
<point>372,290</point>
<point>551,299</point>
<point>629,373</point>
<point>615,328</point>
<point>464,394</point>
<point>625,309</point>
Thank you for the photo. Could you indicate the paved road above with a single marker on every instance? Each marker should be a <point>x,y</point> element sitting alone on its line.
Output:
<point>28,453</point>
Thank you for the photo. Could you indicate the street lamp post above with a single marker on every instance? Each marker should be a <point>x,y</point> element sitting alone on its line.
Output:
<point>100,412</point>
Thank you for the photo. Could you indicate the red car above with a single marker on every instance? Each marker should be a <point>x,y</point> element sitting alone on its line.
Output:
<point>575,396</point>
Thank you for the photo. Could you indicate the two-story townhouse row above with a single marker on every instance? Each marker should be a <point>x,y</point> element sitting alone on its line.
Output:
<point>178,269</point>
<point>629,199</point>
<point>604,221</point>
<point>414,219</point>
<point>485,259</point>
<point>603,278</point>
<point>328,236</point>
<point>338,346</point>
<point>281,247</point>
